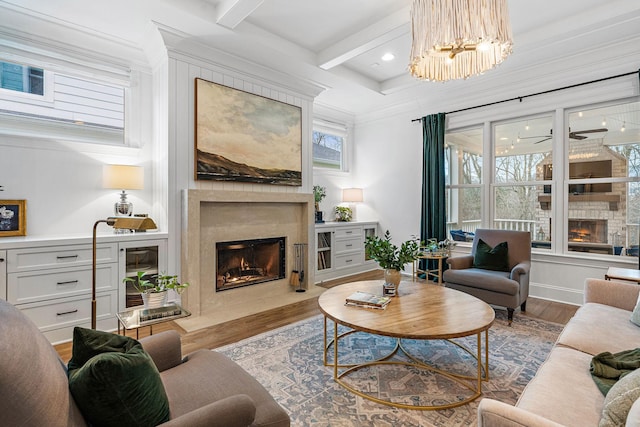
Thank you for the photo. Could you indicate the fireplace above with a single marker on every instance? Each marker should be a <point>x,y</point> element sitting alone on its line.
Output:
<point>248,262</point>
<point>588,230</point>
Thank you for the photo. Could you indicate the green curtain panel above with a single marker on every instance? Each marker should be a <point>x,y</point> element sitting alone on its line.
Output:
<point>433,214</point>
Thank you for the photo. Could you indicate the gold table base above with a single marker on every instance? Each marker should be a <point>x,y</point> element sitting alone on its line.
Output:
<point>472,383</point>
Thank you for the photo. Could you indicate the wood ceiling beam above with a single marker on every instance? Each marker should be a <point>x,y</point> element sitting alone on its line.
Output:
<point>377,34</point>
<point>230,13</point>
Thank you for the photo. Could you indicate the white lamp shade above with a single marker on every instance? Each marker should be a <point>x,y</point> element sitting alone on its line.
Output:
<point>123,177</point>
<point>352,195</point>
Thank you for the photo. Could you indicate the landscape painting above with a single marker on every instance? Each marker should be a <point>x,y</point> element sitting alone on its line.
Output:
<point>245,137</point>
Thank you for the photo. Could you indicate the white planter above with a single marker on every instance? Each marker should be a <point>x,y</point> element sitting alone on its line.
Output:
<point>154,299</point>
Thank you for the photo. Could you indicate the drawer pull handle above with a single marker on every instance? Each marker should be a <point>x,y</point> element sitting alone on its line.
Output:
<point>67,256</point>
<point>68,282</point>
<point>1,259</point>
<point>349,245</point>
<point>67,312</point>
<point>349,232</point>
<point>349,260</point>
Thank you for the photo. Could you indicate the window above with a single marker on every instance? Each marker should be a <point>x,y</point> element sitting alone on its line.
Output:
<point>37,102</point>
<point>603,188</point>
<point>522,199</point>
<point>463,178</point>
<point>329,145</point>
<point>21,78</point>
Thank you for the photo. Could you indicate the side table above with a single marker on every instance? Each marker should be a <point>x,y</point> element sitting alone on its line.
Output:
<point>629,274</point>
<point>137,317</point>
<point>437,272</point>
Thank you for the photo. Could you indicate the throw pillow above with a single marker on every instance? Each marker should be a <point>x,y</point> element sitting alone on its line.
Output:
<point>635,314</point>
<point>114,381</point>
<point>619,400</point>
<point>488,258</point>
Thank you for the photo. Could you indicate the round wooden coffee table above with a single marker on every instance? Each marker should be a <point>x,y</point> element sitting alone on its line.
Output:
<point>421,312</point>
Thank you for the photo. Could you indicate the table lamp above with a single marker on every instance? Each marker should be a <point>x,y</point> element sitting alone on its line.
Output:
<point>123,177</point>
<point>130,223</point>
<point>352,196</point>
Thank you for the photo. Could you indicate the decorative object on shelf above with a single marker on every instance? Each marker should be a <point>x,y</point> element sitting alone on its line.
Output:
<point>390,257</point>
<point>457,39</point>
<point>442,248</point>
<point>343,214</point>
<point>123,177</point>
<point>319,193</point>
<point>129,223</point>
<point>13,218</point>
<point>352,196</point>
<point>244,137</point>
<point>154,290</point>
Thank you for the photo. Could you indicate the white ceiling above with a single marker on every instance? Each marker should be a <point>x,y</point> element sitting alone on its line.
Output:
<point>338,44</point>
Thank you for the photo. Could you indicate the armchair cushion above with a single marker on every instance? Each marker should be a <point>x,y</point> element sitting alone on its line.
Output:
<point>488,258</point>
<point>114,381</point>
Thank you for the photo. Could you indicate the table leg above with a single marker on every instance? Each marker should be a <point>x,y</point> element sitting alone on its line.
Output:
<point>335,351</point>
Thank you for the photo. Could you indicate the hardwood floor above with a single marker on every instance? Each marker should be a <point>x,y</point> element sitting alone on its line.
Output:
<point>236,330</point>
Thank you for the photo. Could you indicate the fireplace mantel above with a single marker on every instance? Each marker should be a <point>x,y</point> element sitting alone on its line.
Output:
<point>206,214</point>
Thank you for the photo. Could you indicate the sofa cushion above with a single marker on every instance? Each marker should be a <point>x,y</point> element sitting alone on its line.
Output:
<point>563,391</point>
<point>495,281</point>
<point>114,381</point>
<point>601,321</point>
<point>188,389</point>
<point>33,381</point>
<point>488,258</point>
<point>619,400</point>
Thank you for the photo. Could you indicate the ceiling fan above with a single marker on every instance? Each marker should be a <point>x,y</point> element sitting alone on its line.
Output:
<point>577,135</point>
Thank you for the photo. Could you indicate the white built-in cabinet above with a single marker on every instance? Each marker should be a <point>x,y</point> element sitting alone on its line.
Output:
<point>51,280</point>
<point>340,249</point>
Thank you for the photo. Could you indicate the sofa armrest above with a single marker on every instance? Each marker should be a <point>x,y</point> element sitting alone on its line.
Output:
<point>164,348</point>
<point>492,413</point>
<point>609,292</point>
<point>233,411</point>
<point>460,262</point>
<point>518,269</point>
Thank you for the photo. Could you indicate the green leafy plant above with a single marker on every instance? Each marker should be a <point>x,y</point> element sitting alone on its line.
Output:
<point>156,283</point>
<point>319,193</point>
<point>343,213</point>
<point>388,255</point>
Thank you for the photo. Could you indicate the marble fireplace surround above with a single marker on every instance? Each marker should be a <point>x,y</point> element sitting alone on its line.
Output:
<point>212,216</point>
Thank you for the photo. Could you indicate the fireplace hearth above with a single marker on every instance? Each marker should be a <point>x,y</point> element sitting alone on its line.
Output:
<point>248,262</point>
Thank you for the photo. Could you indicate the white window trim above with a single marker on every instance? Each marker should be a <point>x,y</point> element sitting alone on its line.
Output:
<point>339,129</point>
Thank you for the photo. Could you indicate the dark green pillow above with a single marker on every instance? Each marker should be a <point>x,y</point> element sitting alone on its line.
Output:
<point>488,258</point>
<point>114,381</point>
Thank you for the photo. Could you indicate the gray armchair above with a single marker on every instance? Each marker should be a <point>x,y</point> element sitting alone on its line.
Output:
<point>204,388</point>
<point>508,289</point>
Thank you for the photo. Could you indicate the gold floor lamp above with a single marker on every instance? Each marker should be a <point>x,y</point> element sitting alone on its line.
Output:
<point>130,223</point>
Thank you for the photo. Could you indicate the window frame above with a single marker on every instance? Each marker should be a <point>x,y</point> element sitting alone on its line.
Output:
<point>332,128</point>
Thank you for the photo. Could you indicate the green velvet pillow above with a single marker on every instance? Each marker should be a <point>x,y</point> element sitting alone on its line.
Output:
<point>488,258</point>
<point>114,381</point>
<point>619,400</point>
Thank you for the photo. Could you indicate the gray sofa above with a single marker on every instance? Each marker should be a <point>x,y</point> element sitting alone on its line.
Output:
<point>563,393</point>
<point>204,389</point>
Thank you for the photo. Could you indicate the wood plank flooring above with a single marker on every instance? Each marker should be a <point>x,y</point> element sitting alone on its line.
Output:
<point>236,330</point>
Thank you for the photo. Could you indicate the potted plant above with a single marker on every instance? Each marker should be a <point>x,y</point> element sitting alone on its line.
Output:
<point>343,213</point>
<point>390,257</point>
<point>319,193</point>
<point>154,290</point>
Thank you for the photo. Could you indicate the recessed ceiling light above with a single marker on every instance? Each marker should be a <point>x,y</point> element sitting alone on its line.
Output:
<point>388,56</point>
<point>374,65</point>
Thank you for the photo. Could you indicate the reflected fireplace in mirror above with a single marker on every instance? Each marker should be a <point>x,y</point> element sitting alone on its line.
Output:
<point>248,262</point>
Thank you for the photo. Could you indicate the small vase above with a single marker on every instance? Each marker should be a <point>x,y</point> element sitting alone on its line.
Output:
<point>392,276</point>
<point>154,299</point>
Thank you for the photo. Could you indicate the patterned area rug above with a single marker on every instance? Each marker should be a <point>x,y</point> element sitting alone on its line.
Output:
<point>288,362</point>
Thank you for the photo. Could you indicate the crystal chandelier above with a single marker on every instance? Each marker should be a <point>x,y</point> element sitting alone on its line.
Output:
<point>457,39</point>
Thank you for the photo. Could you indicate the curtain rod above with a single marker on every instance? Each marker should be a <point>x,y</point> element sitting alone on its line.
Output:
<point>520,98</point>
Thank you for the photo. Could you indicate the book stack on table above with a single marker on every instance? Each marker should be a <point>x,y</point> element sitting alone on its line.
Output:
<point>367,300</point>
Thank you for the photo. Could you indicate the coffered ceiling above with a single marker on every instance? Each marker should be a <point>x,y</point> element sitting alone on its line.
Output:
<point>339,44</point>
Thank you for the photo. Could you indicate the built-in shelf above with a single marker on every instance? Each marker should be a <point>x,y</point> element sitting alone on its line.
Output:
<point>612,199</point>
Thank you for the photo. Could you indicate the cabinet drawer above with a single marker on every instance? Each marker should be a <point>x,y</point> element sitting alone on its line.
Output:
<point>349,260</point>
<point>59,256</point>
<point>348,232</point>
<point>70,311</point>
<point>349,245</point>
<point>32,286</point>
